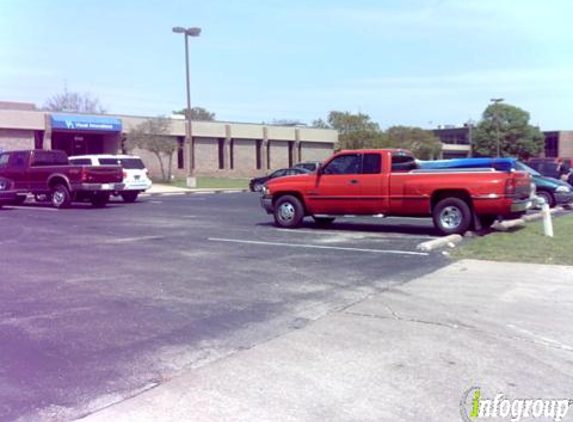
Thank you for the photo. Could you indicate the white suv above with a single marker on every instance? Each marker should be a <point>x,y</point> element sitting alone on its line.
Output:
<point>135,176</point>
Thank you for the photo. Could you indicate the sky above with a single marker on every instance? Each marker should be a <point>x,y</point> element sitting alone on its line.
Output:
<point>410,62</point>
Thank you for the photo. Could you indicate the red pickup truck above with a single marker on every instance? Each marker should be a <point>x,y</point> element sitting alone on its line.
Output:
<point>47,173</point>
<point>388,182</point>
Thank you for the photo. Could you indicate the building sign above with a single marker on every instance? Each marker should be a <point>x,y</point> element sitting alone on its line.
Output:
<point>90,123</point>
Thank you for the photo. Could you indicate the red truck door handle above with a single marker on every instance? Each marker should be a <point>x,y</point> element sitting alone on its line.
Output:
<point>354,182</point>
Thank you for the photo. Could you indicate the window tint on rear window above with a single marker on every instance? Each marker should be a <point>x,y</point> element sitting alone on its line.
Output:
<point>371,164</point>
<point>50,158</point>
<point>401,162</point>
<point>132,163</point>
<point>81,161</point>
<point>109,161</point>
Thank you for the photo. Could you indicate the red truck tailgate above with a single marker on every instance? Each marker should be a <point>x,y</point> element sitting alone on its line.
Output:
<point>522,184</point>
<point>102,174</point>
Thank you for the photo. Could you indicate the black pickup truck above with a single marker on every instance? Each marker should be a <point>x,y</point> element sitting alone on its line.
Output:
<point>48,174</point>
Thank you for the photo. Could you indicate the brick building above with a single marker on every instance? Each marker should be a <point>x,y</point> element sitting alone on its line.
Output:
<point>456,142</point>
<point>220,148</point>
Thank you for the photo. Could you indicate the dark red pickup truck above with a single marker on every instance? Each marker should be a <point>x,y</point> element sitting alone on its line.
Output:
<point>48,174</point>
<point>387,183</point>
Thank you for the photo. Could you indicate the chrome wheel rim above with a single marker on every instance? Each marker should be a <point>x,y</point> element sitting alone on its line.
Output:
<point>451,217</point>
<point>286,212</point>
<point>58,198</point>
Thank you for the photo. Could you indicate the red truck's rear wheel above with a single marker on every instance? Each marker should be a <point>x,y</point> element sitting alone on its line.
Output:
<point>288,212</point>
<point>61,197</point>
<point>452,216</point>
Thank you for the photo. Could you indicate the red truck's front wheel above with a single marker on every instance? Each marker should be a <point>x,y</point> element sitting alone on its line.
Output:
<point>288,211</point>
<point>452,216</point>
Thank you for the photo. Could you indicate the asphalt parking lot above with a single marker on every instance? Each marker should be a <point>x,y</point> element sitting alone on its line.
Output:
<point>100,304</point>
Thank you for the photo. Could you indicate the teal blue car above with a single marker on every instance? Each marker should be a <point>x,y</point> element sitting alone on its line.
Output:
<point>554,191</point>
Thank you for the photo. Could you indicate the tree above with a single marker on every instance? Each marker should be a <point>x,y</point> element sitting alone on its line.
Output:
<point>517,138</point>
<point>355,131</point>
<point>422,143</point>
<point>151,135</point>
<point>320,124</point>
<point>198,113</point>
<point>345,122</point>
<point>287,122</point>
<point>74,102</point>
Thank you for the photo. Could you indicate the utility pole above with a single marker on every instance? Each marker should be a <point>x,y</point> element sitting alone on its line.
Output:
<point>496,101</point>
<point>189,32</point>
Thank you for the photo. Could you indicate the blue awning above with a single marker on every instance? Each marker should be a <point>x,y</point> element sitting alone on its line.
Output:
<point>90,123</point>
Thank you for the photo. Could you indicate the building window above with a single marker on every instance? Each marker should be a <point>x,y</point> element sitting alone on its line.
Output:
<point>259,157</point>
<point>180,153</point>
<point>290,153</point>
<point>268,155</point>
<point>232,154</point>
<point>299,158</point>
<point>221,153</point>
<point>38,139</point>
<point>551,145</point>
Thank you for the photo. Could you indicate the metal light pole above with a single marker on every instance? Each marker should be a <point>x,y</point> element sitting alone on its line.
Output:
<point>189,32</point>
<point>496,118</point>
<point>469,124</point>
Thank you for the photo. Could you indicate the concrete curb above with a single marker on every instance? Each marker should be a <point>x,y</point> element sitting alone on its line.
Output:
<point>430,245</point>
<point>533,217</point>
<point>504,225</point>
<point>508,224</point>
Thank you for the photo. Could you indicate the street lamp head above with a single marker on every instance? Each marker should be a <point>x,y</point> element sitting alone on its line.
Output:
<point>193,32</point>
<point>496,100</point>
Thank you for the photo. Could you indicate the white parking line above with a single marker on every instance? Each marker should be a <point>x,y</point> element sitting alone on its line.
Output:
<point>301,245</point>
<point>134,239</point>
<point>30,207</point>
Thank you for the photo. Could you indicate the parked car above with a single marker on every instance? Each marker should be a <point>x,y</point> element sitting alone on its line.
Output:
<point>535,161</point>
<point>7,192</point>
<point>309,165</point>
<point>554,191</point>
<point>553,167</point>
<point>48,173</point>
<point>388,182</point>
<point>257,183</point>
<point>135,174</point>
